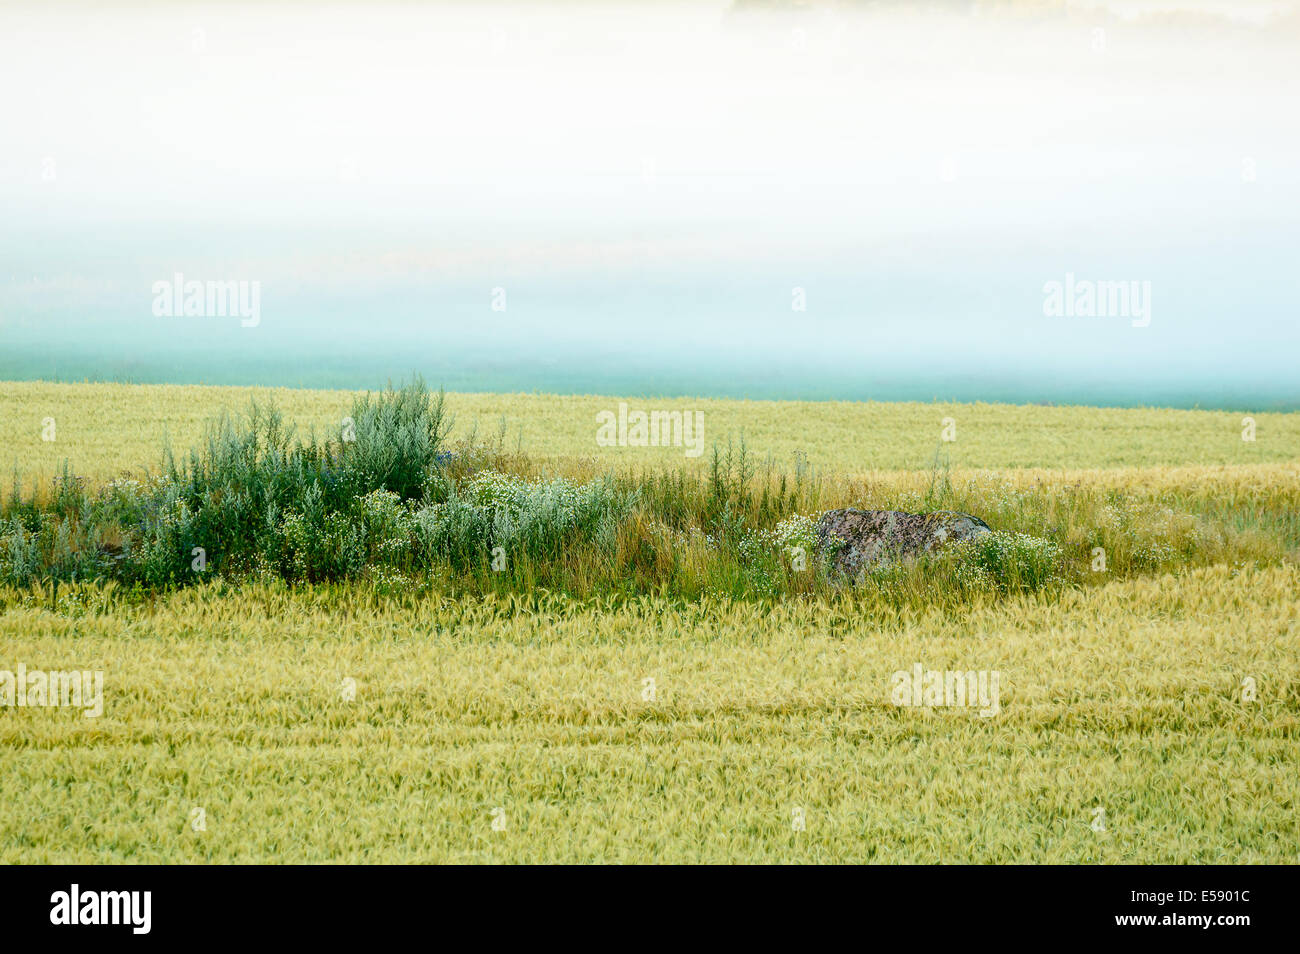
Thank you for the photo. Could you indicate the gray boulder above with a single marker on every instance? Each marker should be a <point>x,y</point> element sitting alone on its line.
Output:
<point>871,537</point>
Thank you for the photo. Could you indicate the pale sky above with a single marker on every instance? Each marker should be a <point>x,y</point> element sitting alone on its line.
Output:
<point>668,174</point>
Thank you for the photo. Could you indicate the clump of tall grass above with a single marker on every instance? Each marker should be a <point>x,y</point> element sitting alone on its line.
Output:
<point>735,496</point>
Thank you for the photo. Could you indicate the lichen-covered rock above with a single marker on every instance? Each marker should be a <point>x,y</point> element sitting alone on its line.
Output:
<point>856,540</point>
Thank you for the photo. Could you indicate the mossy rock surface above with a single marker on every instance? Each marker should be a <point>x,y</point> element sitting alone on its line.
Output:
<point>860,539</point>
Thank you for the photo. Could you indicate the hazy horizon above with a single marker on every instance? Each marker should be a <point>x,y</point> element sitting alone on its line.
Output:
<point>688,199</point>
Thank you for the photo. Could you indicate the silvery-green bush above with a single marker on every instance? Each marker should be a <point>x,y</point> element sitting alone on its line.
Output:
<point>533,518</point>
<point>395,440</point>
<point>1008,560</point>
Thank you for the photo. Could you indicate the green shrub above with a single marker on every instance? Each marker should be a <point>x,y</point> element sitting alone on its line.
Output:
<point>394,440</point>
<point>69,498</point>
<point>120,503</point>
<point>456,532</point>
<point>1007,561</point>
<point>60,548</point>
<point>239,490</point>
<point>167,541</point>
<point>320,546</point>
<point>20,555</point>
<point>534,519</point>
<point>389,528</point>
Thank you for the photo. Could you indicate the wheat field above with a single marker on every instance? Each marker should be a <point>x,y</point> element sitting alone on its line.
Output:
<point>1153,718</point>
<point>105,429</point>
<point>1126,699</point>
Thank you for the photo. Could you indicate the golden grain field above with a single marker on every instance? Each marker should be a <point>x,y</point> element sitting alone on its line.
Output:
<point>1127,698</point>
<point>103,429</point>
<point>1152,720</point>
